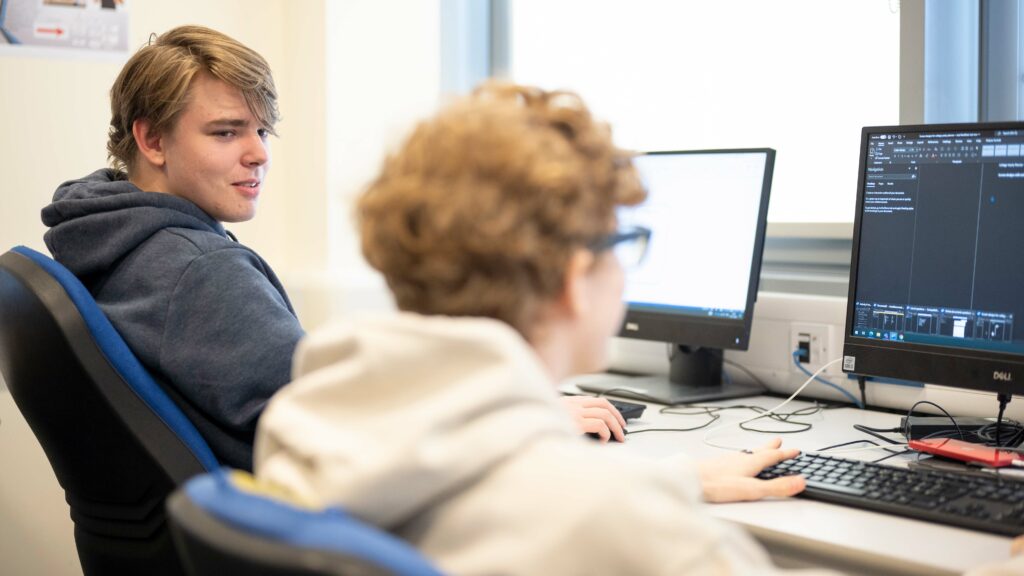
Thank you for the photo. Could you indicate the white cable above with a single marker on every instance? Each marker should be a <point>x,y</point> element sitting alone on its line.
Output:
<point>770,412</point>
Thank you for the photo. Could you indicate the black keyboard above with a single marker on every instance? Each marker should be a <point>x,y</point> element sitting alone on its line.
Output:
<point>629,410</point>
<point>969,500</point>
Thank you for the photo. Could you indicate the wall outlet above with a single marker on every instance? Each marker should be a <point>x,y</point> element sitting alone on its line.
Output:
<point>814,341</point>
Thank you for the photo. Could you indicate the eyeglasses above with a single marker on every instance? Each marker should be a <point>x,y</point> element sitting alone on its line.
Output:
<point>630,245</point>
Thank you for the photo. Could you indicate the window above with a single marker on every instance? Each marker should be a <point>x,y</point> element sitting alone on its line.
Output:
<point>801,76</point>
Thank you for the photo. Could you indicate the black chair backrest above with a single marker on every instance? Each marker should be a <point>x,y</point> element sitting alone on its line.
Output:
<point>116,443</point>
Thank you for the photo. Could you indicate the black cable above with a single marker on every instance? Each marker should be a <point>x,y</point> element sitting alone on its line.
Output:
<point>804,427</point>
<point>783,417</point>
<point>1004,399</point>
<point>862,384</point>
<point>986,433</point>
<point>862,427</point>
<point>704,425</point>
<point>943,410</point>
<point>883,458</point>
<point>875,432</point>
<point>873,443</point>
<point>834,446</point>
<point>710,411</point>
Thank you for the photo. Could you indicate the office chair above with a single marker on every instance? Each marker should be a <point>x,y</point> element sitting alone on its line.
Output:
<point>115,440</point>
<point>227,523</point>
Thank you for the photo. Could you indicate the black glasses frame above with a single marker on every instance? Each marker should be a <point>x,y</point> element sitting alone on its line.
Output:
<point>618,237</point>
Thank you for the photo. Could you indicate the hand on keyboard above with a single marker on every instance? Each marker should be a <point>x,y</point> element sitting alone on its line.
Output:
<point>976,501</point>
<point>596,416</point>
<point>732,478</point>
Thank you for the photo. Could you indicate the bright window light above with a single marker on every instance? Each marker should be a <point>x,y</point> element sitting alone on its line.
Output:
<point>800,76</point>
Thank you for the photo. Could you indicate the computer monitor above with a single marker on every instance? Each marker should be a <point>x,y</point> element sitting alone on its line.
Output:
<point>937,276</point>
<point>707,210</point>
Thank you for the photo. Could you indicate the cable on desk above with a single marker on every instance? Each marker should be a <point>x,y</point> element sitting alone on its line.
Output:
<point>875,432</point>
<point>772,410</point>
<point>986,435</point>
<point>708,411</point>
<point>796,362</point>
<point>698,409</point>
<point>704,425</point>
<point>712,412</point>
<point>943,410</point>
<point>894,454</point>
<point>840,445</point>
<point>891,452</point>
<point>785,418</point>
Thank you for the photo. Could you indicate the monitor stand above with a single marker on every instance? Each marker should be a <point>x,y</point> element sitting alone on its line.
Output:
<point>695,375</point>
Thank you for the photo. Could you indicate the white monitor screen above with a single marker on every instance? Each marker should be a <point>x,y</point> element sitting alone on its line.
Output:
<point>702,209</point>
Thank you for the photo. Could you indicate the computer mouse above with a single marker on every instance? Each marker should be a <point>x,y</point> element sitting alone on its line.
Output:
<point>596,436</point>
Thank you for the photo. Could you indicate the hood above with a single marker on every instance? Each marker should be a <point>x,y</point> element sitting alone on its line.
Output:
<point>387,416</point>
<point>96,220</point>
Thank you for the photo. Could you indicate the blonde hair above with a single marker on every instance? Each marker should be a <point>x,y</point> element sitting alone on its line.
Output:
<point>481,209</point>
<point>154,84</point>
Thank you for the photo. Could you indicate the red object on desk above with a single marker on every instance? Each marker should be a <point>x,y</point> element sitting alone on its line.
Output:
<point>964,451</point>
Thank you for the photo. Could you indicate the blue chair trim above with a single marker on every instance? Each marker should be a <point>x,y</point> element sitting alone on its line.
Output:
<point>123,360</point>
<point>331,529</point>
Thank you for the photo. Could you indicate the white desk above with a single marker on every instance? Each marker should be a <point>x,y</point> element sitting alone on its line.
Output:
<point>801,532</point>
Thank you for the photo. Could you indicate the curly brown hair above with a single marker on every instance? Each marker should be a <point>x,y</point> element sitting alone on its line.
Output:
<point>480,210</point>
<point>155,82</point>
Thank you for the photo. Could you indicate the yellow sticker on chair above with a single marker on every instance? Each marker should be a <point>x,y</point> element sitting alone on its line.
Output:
<point>246,482</point>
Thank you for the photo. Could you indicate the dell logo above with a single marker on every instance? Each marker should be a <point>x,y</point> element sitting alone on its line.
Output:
<point>632,326</point>
<point>1002,376</point>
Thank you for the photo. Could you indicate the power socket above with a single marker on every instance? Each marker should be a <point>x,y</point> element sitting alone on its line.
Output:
<point>814,341</point>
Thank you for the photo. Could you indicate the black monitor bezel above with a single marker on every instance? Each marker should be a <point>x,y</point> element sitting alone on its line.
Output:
<point>710,331</point>
<point>960,367</point>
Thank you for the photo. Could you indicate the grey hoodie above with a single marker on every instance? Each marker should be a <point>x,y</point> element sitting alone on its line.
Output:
<point>206,315</point>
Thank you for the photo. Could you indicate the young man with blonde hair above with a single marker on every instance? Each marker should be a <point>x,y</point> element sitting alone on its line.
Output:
<point>495,227</point>
<point>191,114</point>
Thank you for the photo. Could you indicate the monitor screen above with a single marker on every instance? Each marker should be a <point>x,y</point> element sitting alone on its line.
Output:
<point>707,213</point>
<point>937,277</point>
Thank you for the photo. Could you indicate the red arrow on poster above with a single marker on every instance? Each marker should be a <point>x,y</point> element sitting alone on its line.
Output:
<point>55,31</point>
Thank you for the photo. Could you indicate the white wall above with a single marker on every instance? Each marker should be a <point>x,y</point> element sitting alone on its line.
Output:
<point>351,77</point>
<point>382,74</point>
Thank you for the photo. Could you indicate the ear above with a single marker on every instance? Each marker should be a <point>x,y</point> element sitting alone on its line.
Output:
<point>149,143</point>
<point>575,300</point>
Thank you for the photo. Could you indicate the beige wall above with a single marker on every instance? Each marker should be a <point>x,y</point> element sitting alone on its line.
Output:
<point>352,75</point>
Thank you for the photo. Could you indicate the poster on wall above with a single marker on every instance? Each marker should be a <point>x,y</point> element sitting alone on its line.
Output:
<point>58,28</point>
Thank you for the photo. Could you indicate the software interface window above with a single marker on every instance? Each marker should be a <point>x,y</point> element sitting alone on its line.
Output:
<point>941,236</point>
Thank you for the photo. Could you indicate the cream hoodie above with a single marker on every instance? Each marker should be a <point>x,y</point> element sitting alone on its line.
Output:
<point>449,433</point>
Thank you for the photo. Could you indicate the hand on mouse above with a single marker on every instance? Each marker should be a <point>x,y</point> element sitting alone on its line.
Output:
<point>731,478</point>
<point>596,416</point>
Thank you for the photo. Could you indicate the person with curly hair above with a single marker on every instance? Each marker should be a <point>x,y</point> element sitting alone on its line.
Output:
<point>495,227</point>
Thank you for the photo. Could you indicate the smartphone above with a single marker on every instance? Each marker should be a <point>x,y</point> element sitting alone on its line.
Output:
<point>964,451</point>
